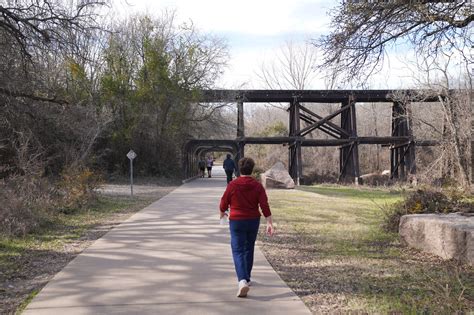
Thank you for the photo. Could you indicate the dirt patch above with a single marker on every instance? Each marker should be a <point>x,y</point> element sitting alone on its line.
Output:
<point>30,270</point>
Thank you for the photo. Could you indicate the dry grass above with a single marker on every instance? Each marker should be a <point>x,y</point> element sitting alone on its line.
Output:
<point>28,263</point>
<point>331,251</point>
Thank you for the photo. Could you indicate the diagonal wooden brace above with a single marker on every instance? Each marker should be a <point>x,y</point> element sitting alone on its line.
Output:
<point>323,128</point>
<point>321,122</point>
<point>334,127</point>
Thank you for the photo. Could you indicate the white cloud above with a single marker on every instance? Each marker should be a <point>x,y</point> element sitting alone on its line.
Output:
<point>255,29</point>
<point>262,17</point>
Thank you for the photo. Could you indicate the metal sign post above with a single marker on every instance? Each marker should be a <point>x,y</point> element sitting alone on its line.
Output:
<point>131,155</point>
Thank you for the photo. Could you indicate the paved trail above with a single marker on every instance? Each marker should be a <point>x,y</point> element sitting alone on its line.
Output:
<point>170,258</point>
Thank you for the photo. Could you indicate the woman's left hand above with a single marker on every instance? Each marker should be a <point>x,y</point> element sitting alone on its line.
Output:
<point>270,229</point>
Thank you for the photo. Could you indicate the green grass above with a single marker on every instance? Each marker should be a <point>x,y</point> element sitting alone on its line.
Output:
<point>330,244</point>
<point>26,301</point>
<point>355,193</point>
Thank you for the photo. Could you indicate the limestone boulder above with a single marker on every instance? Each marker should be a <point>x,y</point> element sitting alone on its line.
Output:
<point>446,235</point>
<point>277,177</point>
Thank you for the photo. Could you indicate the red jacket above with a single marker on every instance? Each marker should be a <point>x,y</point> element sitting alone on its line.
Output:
<point>244,195</point>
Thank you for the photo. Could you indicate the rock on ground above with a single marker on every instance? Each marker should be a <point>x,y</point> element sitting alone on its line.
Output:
<point>277,177</point>
<point>446,235</point>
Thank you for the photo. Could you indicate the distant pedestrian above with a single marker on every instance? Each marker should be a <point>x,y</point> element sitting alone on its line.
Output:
<point>244,195</point>
<point>209,163</point>
<point>229,168</point>
<point>202,167</point>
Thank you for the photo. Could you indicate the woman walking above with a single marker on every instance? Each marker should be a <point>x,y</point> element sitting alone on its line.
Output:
<point>209,163</point>
<point>244,196</point>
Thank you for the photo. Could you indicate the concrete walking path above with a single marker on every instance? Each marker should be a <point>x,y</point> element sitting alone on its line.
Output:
<point>172,257</point>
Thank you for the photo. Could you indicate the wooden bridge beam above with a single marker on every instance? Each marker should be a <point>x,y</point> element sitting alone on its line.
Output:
<point>295,167</point>
<point>240,134</point>
<point>402,158</point>
<point>349,155</point>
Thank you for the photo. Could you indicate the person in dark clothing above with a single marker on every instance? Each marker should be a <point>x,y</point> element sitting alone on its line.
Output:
<point>229,168</point>
<point>202,167</point>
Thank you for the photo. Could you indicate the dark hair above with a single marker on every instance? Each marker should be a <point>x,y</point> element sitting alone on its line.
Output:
<point>228,155</point>
<point>246,166</point>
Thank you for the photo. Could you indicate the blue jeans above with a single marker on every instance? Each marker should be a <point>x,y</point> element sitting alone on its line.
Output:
<point>243,234</point>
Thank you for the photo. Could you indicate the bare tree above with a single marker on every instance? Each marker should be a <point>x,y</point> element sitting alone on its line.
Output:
<point>31,22</point>
<point>293,67</point>
<point>452,129</point>
<point>363,31</point>
<point>29,29</point>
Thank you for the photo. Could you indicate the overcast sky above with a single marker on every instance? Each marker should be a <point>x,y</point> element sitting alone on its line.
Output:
<point>256,29</point>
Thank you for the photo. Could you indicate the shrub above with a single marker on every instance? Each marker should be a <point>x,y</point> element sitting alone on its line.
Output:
<point>425,201</point>
<point>27,201</point>
<point>374,180</point>
<point>257,171</point>
<point>24,202</point>
<point>319,178</point>
<point>76,188</point>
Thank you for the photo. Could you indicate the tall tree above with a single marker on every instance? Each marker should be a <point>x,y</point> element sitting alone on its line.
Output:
<point>292,68</point>
<point>154,71</point>
<point>29,28</point>
<point>363,31</point>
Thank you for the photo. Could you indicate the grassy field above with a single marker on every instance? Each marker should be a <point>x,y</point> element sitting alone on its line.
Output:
<point>27,263</point>
<point>331,251</point>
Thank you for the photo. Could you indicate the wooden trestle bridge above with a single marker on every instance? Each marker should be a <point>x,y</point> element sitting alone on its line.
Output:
<point>303,121</point>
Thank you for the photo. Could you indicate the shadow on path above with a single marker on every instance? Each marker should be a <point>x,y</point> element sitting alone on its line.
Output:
<point>172,257</point>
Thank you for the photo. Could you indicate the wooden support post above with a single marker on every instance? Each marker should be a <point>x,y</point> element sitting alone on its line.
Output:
<point>411,157</point>
<point>295,167</point>
<point>240,120</point>
<point>185,164</point>
<point>191,165</point>
<point>195,166</point>
<point>402,158</point>
<point>291,148</point>
<point>394,157</point>
<point>349,155</point>
<point>238,155</point>
<point>299,157</point>
<point>240,132</point>
<point>355,149</point>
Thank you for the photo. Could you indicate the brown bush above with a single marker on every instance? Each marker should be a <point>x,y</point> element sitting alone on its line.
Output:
<point>76,188</point>
<point>24,203</point>
<point>28,201</point>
